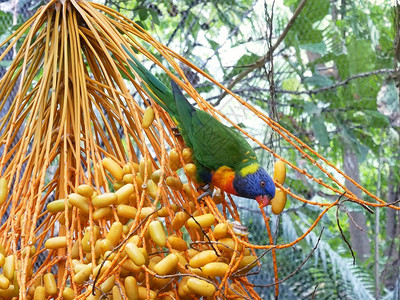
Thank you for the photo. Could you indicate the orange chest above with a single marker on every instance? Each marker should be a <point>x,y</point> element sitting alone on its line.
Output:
<point>223,178</point>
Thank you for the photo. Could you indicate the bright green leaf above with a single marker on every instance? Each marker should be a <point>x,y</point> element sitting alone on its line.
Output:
<point>291,84</point>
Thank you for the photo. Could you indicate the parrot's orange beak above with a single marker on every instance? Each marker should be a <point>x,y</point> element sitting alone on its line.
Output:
<point>263,200</point>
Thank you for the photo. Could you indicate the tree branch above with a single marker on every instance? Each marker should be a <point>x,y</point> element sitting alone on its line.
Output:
<point>344,82</point>
<point>261,61</point>
<point>392,72</point>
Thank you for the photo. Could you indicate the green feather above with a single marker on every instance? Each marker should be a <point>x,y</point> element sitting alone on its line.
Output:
<point>214,144</point>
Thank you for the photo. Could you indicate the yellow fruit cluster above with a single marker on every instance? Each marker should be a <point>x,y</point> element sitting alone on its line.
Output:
<point>142,246</point>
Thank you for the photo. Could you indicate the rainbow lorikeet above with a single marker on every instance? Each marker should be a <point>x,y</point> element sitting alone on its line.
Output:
<point>222,156</point>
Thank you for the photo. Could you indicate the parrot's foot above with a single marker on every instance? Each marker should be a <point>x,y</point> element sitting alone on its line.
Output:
<point>175,131</point>
<point>239,229</point>
<point>206,192</point>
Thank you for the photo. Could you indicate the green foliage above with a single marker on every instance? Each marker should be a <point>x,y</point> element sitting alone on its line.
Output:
<point>326,273</point>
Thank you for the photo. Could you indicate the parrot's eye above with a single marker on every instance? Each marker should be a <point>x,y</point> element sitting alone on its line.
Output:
<point>262,184</point>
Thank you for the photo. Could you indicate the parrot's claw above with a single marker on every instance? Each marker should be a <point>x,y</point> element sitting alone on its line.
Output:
<point>175,131</point>
<point>239,229</point>
<point>207,192</point>
<point>204,187</point>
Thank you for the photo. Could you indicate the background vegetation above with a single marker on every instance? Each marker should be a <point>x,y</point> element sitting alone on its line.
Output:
<point>333,81</point>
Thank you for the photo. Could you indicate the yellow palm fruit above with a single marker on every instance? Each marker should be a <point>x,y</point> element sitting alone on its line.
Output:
<point>118,184</point>
<point>40,293</point>
<point>187,154</point>
<point>108,284</point>
<point>280,171</point>
<point>131,288</point>
<point>182,288</point>
<point>200,287</point>
<point>174,162</point>
<point>124,192</point>
<point>83,274</point>
<point>113,168</point>
<point>56,242</point>
<point>228,244</point>
<point>148,117</point>
<point>215,269</point>
<point>203,258</point>
<point>139,182</point>
<point>157,233</point>
<point>163,212</point>
<point>202,221</point>
<point>105,199</point>
<point>128,178</point>
<point>152,188</point>
<point>247,263</point>
<point>220,231</point>
<point>179,220</point>
<point>279,201</point>
<point>101,268</point>
<point>86,244</point>
<point>135,254</point>
<point>3,190</point>
<point>156,176</point>
<point>115,233</point>
<point>192,252</point>
<point>167,265</point>
<point>68,293</point>
<point>136,167</point>
<point>116,295</point>
<point>127,169</point>
<point>4,282</point>
<point>126,211</point>
<point>174,183</point>
<point>146,166</point>
<point>57,206</point>
<point>101,212</point>
<point>50,284</point>
<point>191,170</point>
<point>85,190</point>
<point>2,259</point>
<point>146,211</point>
<point>177,243</point>
<point>142,291</point>
<point>82,203</point>
<point>188,191</point>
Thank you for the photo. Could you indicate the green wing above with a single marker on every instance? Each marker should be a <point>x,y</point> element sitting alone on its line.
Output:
<point>213,143</point>
<point>216,145</point>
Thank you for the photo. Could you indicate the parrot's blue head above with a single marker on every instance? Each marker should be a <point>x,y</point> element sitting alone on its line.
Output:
<point>253,182</point>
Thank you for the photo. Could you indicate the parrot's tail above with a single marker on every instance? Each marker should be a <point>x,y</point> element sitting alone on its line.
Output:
<point>157,90</point>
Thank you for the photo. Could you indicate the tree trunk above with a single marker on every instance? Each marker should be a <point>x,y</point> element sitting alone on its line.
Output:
<point>391,270</point>
<point>359,239</point>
